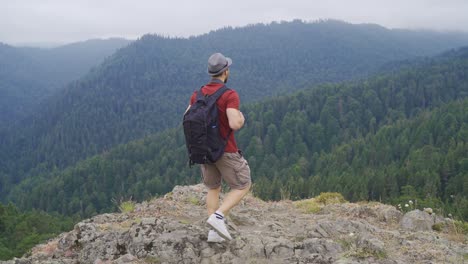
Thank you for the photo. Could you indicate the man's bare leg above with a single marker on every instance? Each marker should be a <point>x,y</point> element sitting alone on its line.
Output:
<point>216,219</point>
<point>232,199</point>
<point>212,200</point>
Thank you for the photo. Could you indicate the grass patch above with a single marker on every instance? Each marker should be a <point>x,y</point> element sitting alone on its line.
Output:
<point>129,223</point>
<point>124,206</point>
<point>299,239</point>
<point>127,207</point>
<point>184,221</point>
<point>193,200</point>
<point>438,227</point>
<point>330,198</point>
<point>346,243</point>
<point>363,253</point>
<point>309,206</point>
<point>314,205</point>
<point>169,195</point>
<point>457,230</point>
<point>152,260</point>
<point>461,227</point>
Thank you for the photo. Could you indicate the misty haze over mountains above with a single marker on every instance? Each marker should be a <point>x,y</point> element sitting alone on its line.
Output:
<point>29,75</point>
<point>56,20</point>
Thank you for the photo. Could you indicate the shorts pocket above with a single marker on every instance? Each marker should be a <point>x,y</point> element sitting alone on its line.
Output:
<point>242,173</point>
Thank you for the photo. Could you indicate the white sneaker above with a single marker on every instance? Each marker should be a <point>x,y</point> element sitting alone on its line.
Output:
<point>214,237</point>
<point>216,221</point>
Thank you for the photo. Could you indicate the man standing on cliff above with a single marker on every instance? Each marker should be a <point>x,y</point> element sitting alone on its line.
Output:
<point>231,167</point>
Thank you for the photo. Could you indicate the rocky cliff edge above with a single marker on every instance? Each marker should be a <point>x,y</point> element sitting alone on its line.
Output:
<point>172,229</point>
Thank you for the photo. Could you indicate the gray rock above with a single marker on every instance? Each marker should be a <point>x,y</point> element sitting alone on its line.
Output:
<point>242,219</point>
<point>148,221</point>
<point>417,220</point>
<point>173,230</point>
<point>194,194</point>
<point>390,214</point>
<point>364,211</point>
<point>102,219</point>
<point>278,248</point>
<point>323,247</point>
<point>67,241</point>
<point>371,244</point>
<point>251,246</point>
<point>85,232</point>
<point>327,228</point>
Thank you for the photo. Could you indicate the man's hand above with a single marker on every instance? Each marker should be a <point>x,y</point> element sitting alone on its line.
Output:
<point>235,117</point>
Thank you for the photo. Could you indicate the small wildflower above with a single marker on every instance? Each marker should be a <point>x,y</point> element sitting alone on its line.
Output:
<point>450,215</point>
<point>451,196</point>
<point>410,202</point>
<point>406,205</point>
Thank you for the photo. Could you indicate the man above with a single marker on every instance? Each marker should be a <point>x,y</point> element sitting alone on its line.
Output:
<point>231,167</point>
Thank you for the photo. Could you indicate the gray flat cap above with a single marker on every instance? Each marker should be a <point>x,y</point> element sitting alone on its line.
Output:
<point>217,64</point>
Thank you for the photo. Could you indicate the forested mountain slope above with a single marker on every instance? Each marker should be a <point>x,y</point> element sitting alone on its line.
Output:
<point>390,137</point>
<point>145,87</point>
<point>20,231</point>
<point>29,75</point>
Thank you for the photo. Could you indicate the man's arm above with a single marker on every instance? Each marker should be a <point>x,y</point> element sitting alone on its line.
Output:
<point>235,117</point>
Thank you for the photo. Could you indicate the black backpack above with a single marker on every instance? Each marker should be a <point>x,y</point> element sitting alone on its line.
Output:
<point>201,128</point>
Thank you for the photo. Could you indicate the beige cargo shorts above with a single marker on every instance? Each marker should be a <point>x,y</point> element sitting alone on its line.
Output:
<point>232,167</point>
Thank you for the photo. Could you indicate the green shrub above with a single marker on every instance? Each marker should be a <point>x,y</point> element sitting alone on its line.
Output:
<point>127,207</point>
<point>437,227</point>
<point>330,198</point>
<point>314,205</point>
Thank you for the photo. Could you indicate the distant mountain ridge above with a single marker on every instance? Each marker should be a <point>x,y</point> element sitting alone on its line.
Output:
<point>29,75</point>
<point>144,88</point>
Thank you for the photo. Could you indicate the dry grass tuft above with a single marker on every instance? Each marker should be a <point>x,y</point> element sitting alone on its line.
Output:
<point>314,205</point>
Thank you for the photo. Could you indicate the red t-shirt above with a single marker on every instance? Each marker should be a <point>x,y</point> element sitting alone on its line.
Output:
<point>230,99</point>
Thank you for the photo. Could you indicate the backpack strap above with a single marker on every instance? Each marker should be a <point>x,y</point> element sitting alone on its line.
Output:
<point>200,95</point>
<point>216,95</point>
<point>219,92</point>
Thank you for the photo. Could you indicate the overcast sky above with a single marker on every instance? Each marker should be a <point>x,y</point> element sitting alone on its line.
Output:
<point>64,21</point>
